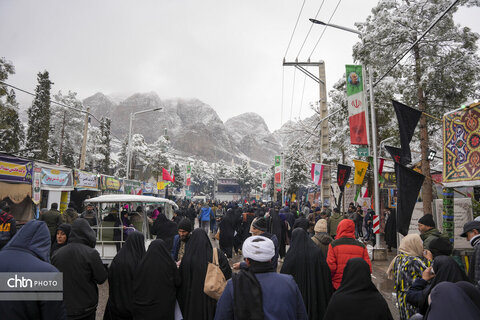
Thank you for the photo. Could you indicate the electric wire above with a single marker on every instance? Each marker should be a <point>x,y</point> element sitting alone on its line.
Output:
<point>325,28</point>
<point>309,30</point>
<point>58,103</point>
<point>397,61</point>
<point>294,28</point>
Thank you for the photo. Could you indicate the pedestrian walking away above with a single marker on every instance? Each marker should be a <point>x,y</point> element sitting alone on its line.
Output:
<point>82,270</point>
<point>357,297</point>
<point>121,275</point>
<point>308,266</point>
<point>155,284</point>
<point>258,292</point>
<point>29,251</point>
<point>194,303</point>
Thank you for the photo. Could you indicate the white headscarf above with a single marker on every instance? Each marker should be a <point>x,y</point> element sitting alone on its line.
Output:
<point>258,248</point>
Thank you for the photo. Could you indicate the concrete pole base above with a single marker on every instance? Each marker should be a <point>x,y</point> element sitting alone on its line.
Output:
<point>379,254</point>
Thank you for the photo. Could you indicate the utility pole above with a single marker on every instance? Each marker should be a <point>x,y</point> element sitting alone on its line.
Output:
<point>60,154</point>
<point>84,143</point>
<point>323,113</point>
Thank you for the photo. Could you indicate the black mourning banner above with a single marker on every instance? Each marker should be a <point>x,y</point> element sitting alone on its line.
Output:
<point>409,183</point>
<point>397,155</point>
<point>343,174</point>
<point>407,121</point>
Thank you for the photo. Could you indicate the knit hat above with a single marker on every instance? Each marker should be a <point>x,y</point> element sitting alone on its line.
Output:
<point>321,226</point>
<point>185,224</point>
<point>427,220</point>
<point>260,224</point>
<point>258,248</point>
<point>440,247</point>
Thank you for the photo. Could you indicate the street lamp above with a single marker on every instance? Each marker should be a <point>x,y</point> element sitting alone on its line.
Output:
<point>374,124</point>
<point>431,154</point>
<point>129,147</point>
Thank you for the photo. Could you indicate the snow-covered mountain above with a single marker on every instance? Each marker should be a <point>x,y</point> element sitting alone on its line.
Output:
<point>193,127</point>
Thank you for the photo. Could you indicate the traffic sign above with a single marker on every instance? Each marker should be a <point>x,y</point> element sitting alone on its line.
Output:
<point>362,152</point>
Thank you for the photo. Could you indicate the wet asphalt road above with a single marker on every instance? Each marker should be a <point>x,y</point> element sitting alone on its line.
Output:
<point>379,277</point>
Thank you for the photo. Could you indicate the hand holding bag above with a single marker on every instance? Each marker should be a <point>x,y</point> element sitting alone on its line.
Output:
<point>215,281</point>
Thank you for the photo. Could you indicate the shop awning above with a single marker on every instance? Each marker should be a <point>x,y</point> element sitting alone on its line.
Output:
<point>17,192</point>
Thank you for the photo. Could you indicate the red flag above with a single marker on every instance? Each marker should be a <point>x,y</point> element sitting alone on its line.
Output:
<point>166,176</point>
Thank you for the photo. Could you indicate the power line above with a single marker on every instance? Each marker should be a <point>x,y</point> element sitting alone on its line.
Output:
<point>309,30</point>
<point>416,42</point>
<point>294,28</point>
<point>325,28</point>
<point>58,103</point>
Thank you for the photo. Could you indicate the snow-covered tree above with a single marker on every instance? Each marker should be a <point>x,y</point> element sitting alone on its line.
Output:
<point>66,130</point>
<point>104,146</point>
<point>296,168</point>
<point>440,73</point>
<point>246,178</point>
<point>157,157</point>
<point>39,118</point>
<point>11,129</point>
<point>202,177</point>
<point>139,160</point>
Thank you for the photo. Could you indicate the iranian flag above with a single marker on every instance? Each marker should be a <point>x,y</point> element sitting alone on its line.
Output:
<point>357,111</point>
<point>167,176</point>
<point>189,175</point>
<point>317,173</point>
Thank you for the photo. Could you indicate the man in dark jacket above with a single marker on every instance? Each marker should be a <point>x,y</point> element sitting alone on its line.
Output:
<point>427,229</point>
<point>471,231</point>
<point>82,270</point>
<point>8,225</point>
<point>53,219</point>
<point>343,249</point>
<point>260,292</point>
<point>180,240</point>
<point>29,251</point>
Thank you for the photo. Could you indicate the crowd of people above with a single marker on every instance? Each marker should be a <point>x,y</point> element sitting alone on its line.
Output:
<point>299,263</point>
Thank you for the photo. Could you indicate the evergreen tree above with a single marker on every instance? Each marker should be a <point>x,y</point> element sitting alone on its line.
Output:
<point>39,118</point>
<point>246,178</point>
<point>105,146</point>
<point>11,129</point>
<point>66,130</point>
<point>296,168</point>
<point>441,72</point>
<point>178,176</point>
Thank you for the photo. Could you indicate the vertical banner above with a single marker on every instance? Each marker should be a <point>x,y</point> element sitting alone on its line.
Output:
<point>357,106</point>
<point>360,171</point>
<point>264,181</point>
<point>37,178</point>
<point>343,174</point>
<point>188,180</point>
<point>278,172</point>
<point>317,173</point>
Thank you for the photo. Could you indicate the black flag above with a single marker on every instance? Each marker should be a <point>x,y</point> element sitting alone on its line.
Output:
<point>397,155</point>
<point>407,121</point>
<point>343,174</point>
<point>409,183</point>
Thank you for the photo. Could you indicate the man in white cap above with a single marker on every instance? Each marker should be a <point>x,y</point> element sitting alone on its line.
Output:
<point>259,292</point>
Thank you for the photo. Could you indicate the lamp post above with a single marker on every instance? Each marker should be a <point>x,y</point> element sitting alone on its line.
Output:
<point>374,124</point>
<point>129,147</point>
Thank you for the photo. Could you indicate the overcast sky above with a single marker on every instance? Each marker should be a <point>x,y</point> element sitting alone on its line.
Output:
<point>226,53</point>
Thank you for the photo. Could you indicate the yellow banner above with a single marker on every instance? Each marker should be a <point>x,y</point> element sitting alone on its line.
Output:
<point>294,196</point>
<point>360,171</point>
<point>162,184</point>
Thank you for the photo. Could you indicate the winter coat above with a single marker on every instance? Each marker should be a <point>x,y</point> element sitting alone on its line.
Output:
<point>205,214</point>
<point>82,270</point>
<point>70,215</point>
<point>8,228</point>
<point>343,249</point>
<point>29,251</point>
<point>333,222</point>
<point>430,235</point>
<point>474,271</point>
<point>322,240</point>
<point>53,219</point>
<point>281,298</point>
